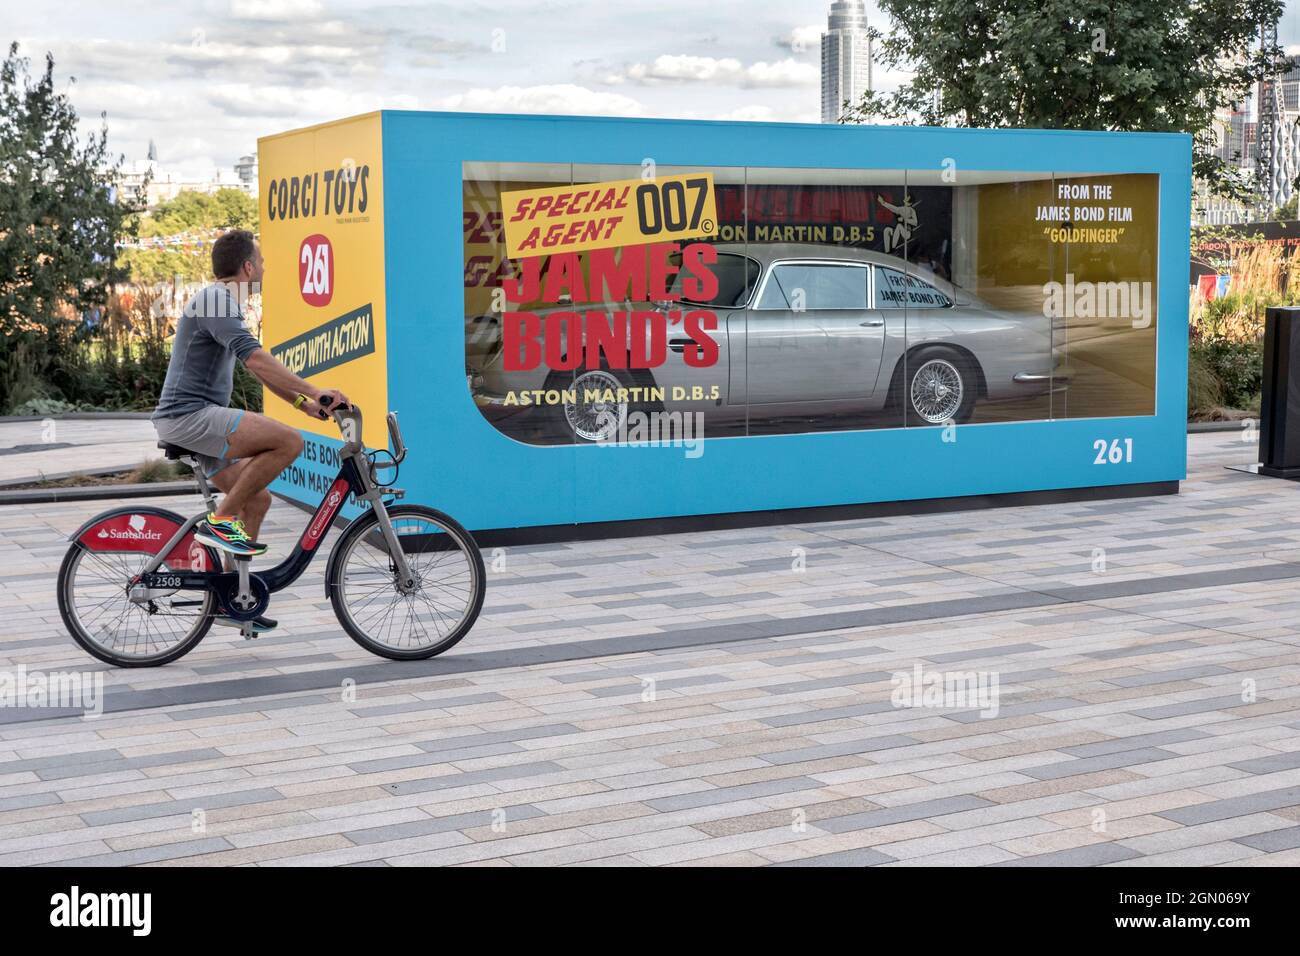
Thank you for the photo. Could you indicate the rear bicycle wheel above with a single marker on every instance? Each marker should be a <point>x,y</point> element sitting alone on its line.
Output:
<point>96,575</point>
<point>424,621</point>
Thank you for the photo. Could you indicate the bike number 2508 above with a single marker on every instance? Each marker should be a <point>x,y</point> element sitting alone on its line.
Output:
<point>1113,452</point>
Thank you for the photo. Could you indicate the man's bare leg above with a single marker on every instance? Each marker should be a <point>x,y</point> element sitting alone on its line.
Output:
<point>255,511</point>
<point>266,448</point>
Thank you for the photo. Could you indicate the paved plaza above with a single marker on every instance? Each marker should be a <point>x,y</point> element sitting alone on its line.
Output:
<point>52,448</point>
<point>724,697</point>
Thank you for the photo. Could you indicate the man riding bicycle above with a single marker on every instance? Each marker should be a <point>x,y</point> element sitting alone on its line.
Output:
<point>241,452</point>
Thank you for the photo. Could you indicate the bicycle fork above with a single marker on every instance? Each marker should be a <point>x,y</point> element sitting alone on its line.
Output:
<point>405,580</point>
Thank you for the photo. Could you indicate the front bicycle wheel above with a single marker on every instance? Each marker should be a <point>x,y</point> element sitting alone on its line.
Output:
<point>417,622</point>
<point>105,557</point>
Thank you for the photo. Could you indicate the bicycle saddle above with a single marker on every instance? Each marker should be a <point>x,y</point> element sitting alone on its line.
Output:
<point>173,452</point>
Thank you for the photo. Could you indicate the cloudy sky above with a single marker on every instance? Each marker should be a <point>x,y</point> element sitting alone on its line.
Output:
<point>205,78</point>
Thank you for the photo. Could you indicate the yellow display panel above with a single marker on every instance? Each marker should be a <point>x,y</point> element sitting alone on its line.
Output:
<point>322,236</point>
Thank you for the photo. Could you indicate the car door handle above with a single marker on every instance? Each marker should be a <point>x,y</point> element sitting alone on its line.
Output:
<point>677,345</point>
<point>872,323</point>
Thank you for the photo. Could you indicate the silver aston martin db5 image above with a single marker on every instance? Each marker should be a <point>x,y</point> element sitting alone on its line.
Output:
<point>802,331</point>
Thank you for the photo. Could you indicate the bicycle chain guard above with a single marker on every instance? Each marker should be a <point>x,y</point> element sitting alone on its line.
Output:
<point>228,587</point>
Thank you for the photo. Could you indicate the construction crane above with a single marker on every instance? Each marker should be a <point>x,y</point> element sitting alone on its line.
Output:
<point>1269,111</point>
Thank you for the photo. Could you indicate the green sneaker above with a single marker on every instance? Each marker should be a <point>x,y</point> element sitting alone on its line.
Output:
<point>229,535</point>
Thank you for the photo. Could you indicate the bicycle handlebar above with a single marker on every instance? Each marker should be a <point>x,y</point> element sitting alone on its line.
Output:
<point>351,413</point>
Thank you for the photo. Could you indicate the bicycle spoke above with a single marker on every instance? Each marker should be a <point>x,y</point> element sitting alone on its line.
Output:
<point>443,595</point>
<point>97,599</point>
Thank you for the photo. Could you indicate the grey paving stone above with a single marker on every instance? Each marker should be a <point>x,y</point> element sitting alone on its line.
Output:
<point>1108,761</point>
<point>828,713</point>
<point>707,798</point>
<point>623,557</point>
<point>645,599</point>
<point>1233,807</point>
<point>868,596</point>
<point>419,706</point>
<point>860,857</point>
<point>1014,709</point>
<point>781,564</point>
<point>1186,707</point>
<point>108,755</point>
<point>639,586</point>
<point>253,706</point>
<point>385,764</point>
<point>1274,763</point>
<point>1274,841</point>
<point>168,808</point>
<point>1141,650</point>
<point>923,810</point>
<point>813,657</point>
<point>1135,742</point>
<point>130,763</point>
<point>463,741</point>
<point>254,663</point>
<point>568,623</point>
<point>457,821</point>
<point>844,749</point>
<point>1174,674</point>
<point>1095,854</point>
<point>979,653</point>
<point>28,800</point>
<point>469,778</point>
<point>153,854</point>
<point>825,683</point>
<point>524,581</point>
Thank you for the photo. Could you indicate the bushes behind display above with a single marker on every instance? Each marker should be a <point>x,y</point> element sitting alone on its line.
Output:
<point>1225,358</point>
<point>110,359</point>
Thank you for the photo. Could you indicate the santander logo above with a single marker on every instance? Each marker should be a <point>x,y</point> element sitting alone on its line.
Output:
<point>333,501</point>
<point>137,529</point>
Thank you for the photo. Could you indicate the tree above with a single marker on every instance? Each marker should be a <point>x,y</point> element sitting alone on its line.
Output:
<point>1078,64</point>
<point>187,224</point>
<point>60,215</point>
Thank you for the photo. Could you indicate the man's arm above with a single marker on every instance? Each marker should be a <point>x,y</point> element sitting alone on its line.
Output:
<point>228,328</point>
<point>273,373</point>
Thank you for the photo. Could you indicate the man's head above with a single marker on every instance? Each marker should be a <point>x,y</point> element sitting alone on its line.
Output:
<point>236,258</point>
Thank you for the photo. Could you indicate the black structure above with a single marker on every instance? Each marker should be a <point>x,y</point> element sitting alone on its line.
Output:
<point>1279,426</point>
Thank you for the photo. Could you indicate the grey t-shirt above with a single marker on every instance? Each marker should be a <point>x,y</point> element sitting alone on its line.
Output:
<point>209,337</point>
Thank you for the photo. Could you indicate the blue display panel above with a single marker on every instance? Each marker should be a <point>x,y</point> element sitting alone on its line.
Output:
<point>974,231</point>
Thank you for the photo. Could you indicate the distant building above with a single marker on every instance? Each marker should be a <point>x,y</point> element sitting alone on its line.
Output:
<point>246,172</point>
<point>846,58</point>
<point>1237,138</point>
<point>1210,209</point>
<point>165,184</point>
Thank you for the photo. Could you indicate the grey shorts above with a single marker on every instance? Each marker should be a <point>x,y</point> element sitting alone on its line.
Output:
<point>205,432</point>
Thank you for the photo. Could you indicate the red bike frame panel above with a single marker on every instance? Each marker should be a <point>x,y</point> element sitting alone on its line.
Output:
<point>329,507</point>
<point>145,532</point>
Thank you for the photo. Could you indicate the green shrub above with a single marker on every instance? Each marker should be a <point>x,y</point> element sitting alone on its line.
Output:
<point>46,406</point>
<point>159,469</point>
<point>247,392</point>
<point>1204,389</point>
<point>1239,367</point>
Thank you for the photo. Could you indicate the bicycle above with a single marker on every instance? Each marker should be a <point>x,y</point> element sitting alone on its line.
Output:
<point>406,582</point>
